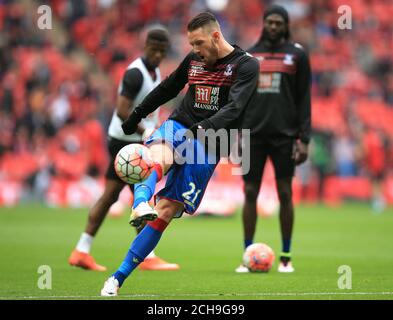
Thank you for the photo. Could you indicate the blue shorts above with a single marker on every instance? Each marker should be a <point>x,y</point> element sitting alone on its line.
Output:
<point>189,175</point>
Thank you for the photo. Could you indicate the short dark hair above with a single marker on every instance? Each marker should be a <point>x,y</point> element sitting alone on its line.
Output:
<point>160,35</point>
<point>201,20</point>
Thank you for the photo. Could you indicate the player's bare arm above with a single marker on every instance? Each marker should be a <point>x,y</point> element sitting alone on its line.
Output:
<point>123,109</point>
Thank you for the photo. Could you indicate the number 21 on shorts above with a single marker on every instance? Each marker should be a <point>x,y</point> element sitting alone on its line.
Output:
<point>192,194</point>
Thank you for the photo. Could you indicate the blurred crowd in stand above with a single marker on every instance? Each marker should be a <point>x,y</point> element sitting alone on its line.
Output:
<point>56,100</point>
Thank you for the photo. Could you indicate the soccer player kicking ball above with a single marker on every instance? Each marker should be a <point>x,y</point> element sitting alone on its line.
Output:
<point>221,80</point>
<point>141,76</point>
<point>280,124</point>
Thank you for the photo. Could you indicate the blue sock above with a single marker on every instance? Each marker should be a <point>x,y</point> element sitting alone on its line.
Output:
<point>142,245</point>
<point>286,245</point>
<point>145,190</point>
<point>247,243</point>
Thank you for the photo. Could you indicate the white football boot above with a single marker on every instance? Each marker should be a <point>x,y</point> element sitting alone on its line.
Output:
<point>286,268</point>
<point>242,269</point>
<point>142,212</point>
<point>111,287</point>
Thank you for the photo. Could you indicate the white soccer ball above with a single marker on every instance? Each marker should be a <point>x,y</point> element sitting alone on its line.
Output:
<point>133,163</point>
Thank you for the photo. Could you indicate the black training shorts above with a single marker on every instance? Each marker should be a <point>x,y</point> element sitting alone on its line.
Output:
<point>280,152</point>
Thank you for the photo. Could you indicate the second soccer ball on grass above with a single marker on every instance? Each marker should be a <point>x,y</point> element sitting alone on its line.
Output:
<point>258,257</point>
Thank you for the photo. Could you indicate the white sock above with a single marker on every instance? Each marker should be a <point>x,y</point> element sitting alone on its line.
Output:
<point>85,242</point>
<point>151,255</point>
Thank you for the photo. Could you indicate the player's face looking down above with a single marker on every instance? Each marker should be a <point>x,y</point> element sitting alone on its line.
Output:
<point>155,52</point>
<point>274,26</point>
<point>204,43</point>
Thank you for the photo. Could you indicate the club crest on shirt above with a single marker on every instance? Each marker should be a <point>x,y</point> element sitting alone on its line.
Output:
<point>228,70</point>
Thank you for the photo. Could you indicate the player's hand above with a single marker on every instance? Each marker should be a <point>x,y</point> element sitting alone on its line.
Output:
<point>194,129</point>
<point>300,153</point>
<point>131,124</point>
<point>201,132</point>
<point>202,125</point>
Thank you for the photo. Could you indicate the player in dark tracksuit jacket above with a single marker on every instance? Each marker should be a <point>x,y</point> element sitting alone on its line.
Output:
<point>217,95</point>
<point>221,79</point>
<point>216,98</point>
<point>280,123</point>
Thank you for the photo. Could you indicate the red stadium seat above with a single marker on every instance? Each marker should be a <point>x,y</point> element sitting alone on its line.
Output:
<point>113,36</point>
<point>18,167</point>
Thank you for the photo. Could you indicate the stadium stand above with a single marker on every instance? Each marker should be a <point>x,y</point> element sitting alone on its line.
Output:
<point>54,111</point>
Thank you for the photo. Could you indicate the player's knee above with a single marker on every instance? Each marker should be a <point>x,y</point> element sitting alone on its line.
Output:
<point>285,195</point>
<point>162,154</point>
<point>251,192</point>
<point>110,197</point>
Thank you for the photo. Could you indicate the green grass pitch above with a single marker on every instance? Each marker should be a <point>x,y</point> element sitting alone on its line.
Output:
<point>208,250</point>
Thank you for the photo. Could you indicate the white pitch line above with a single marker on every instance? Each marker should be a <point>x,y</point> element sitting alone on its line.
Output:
<point>277,294</point>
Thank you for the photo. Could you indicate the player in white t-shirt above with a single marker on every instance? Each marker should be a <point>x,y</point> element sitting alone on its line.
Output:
<point>140,77</point>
